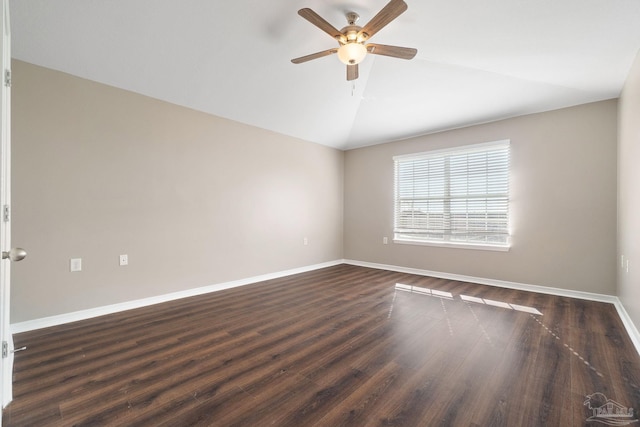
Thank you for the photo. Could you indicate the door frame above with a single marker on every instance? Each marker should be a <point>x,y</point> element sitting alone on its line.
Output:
<point>6,363</point>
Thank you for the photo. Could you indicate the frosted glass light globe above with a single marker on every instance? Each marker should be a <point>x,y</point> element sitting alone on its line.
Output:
<point>352,53</point>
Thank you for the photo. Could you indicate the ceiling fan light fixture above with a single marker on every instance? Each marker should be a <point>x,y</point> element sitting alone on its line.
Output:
<point>352,53</point>
<point>353,39</point>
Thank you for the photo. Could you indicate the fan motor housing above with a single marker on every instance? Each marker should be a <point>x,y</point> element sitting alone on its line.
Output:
<point>352,34</point>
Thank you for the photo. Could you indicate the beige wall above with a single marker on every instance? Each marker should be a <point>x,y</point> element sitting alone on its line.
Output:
<point>629,194</point>
<point>563,208</point>
<point>196,200</point>
<point>193,199</point>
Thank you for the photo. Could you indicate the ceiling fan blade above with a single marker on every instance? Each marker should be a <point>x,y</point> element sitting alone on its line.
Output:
<point>352,72</point>
<point>394,51</point>
<point>319,22</point>
<point>391,11</point>
<point>313,56</point>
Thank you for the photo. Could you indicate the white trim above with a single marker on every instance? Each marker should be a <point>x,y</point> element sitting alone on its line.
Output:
<point>628,324</point>
<point>6,384</point>
<point>453,245</point>
<point>412,188</point>
<point>630,327</point>
<point>453,150</point>
<point>490,282</point>
<point>46,322</point>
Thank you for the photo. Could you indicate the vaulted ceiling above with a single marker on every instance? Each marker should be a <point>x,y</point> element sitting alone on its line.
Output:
<point>477,61</point>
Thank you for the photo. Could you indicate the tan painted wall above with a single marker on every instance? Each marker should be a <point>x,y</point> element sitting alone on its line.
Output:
<point>193,199</point>
<point>629,194</point>
<point>563,209</point>
<point>196,200</point>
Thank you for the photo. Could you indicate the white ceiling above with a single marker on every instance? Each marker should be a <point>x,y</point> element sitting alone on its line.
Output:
<point>477,61</point>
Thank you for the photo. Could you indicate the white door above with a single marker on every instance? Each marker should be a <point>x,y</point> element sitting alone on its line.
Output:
<point>5,197</point>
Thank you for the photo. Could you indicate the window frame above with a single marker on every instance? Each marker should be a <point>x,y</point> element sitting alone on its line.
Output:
<point>447,230</point>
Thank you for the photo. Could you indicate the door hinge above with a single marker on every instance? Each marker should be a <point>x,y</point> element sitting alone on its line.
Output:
<point>5,349</point>
<point>7,78</point>
<point>5,213</point>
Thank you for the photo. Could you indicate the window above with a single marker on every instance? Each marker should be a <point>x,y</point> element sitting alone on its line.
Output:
<point>454,197</point>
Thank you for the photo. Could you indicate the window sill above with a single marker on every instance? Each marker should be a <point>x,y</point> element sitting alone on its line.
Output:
<point>481,247</point>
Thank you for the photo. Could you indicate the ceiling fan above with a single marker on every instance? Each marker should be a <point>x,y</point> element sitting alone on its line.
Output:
<point>352,38</point>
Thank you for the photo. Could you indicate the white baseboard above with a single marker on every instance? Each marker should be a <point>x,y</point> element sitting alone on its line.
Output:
<point>491,282</point>
<point>630,327</point>
<point>46,322</point>
<point>628,324</point>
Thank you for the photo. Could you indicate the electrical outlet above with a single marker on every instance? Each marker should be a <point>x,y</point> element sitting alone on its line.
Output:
<point>124,260</point>
<point>385,240</point>
<point>305,241</point>
<point>75,265</point>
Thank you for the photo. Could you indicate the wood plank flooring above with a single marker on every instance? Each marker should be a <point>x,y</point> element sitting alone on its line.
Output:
<point>340,346</point>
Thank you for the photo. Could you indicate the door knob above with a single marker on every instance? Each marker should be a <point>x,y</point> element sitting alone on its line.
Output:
<point>15,254</point>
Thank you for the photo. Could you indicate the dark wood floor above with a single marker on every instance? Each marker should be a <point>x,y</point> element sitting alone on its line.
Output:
<point>343,345</point>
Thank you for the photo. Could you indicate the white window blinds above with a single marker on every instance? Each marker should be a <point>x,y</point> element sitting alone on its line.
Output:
<point>454,196</point>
